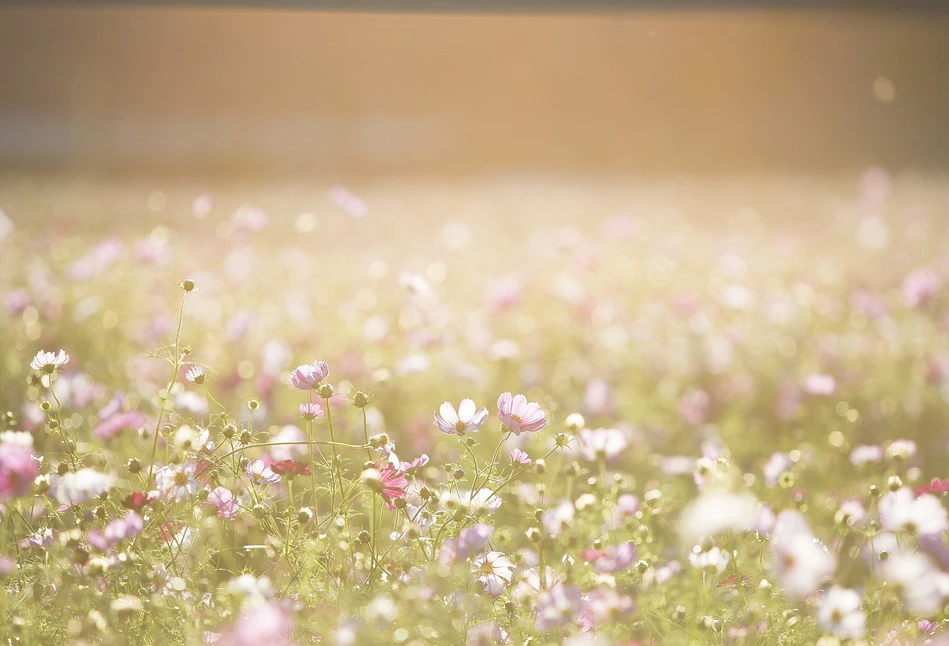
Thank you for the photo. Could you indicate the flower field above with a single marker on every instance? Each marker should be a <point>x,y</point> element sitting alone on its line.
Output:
<point>539,411</point>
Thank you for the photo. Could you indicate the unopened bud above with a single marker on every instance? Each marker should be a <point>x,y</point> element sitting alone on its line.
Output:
<point>188,285</point>
<point>325,391</point>
<point>360,399</point>
<point>133,465</point>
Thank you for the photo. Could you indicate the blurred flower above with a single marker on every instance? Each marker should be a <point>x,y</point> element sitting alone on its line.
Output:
<point>494,571</point>
<point>915,577</point>
<point>118,530</point>
<point>801,562</point>
<point>467,420</point>
<point>777,464</point>
<point>899,510</point>
<point>49,362</point>
<point>18,469</point>
<point>519,416</point>
<point>919,286</point>
<point>352,205</point>
<point>224,502</point>
<point>262,623</point>
<point>557,606</point>
<point>864,453</point>
<point>290,469</point>
<point>558,518</point>
<point>471,540</point>
<point>694,405</point>
<point>601,443</point>
<point>77,487</point>
<point>598,397</point>
<point>819,384</point>
<point>839,613</point>
<point>717,512</point>
<point>613,558</point>
<point>288,444</point>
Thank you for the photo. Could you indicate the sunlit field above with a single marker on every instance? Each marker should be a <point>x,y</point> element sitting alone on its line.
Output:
<point>522,410</point>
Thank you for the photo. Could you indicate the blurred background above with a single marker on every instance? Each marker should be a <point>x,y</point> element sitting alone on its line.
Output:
<point>218,92</point>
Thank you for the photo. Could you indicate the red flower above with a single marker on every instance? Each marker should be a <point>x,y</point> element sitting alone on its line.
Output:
<point>936,486</point>
<point>290,469</point>
<point>136,500</point>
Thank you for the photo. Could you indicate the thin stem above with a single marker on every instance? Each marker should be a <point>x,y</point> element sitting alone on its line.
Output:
<point>171,384</point>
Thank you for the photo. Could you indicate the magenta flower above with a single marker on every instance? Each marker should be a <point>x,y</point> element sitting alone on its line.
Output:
<point>467,420</point>
<point>225,503</point>
<point>520,416</point>
<point>308,376</point>
<point>387,481</point>
<point>18,469</point>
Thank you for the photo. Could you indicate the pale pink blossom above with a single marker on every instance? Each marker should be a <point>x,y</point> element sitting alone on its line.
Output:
<point>520,416</point>
<point>49,362</point>
<point>519,457</point>
<point>224,501</point>
<point>18,469</point>
<point>309,376</point>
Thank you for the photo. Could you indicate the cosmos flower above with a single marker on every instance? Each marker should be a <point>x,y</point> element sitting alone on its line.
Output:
<point>558,518</point>
<point>900,510</point>
<point>224,502</point>
<point>777,464</point>
<point>77,487</point>
<point>519,416</point>
<point>261,623</point>
<point>387,481</point>
<point>614,558</point>
<point>494,571</point>
<point>18,469</point>
<point>309,376</point>
<point>601,443</point>
<point>49,362</point>
<point>557,606</point>
<point>260,474</point>
<point>864,453</point>
<point>919,287</point>
<point>467,420</point>
<point>177,481</point>
<point>917,580</point>
<point>801,562</point>
<point>311,411</point>
<point>118,530</point>
<point>839,613</point>
<point>196,375</point>
<point>471,540</point>
<point>290,469</point>
<point>519,457</point>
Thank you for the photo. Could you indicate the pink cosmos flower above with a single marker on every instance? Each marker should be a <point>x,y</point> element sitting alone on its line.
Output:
<point>387,481</point>
<point>559,605</point>
<point>470,541</point>
<point>520,457</point>
<point>919,286</point>
<point>602,443</point>
<point>611,559</point>
<point>694,405</point>
<point>223,499</point>
<point>265,623</point>
<point>308,376</point>
<point>18,469</point>
<point>519,416</point>
<point>467,420</point>
<point>118,530</point>
<point>417,463</point>
<point>311,411</point>
<point>115,424</point>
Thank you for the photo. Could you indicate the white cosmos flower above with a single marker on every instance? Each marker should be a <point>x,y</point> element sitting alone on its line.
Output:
<point>49,362</point>
<point>177,481</point>
<point>714,557</point>
<point>899,510</point>
<point>78,487</point>
<point>801,562</point>
<point>558,518</point>
<point>494,571</point>
<point>914,575</point>
<point>601,443</point>
<point>839,613</point>
<point>468,419</point>
<point>716,512</point>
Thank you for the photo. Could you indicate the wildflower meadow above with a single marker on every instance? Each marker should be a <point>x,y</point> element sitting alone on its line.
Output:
<point>502,413</point>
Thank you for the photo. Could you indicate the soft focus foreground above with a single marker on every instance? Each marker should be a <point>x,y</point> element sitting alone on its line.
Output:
<point>534,411</point>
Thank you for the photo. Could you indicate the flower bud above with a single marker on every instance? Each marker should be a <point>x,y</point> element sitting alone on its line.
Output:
<point>188,285</point>
<point>229,431</point>
<point>304,515</point>
<point>575,422</point>
<point>894,483</point>
<point>360,399</point>
<point>325,391</point>
<point>133,465</point>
